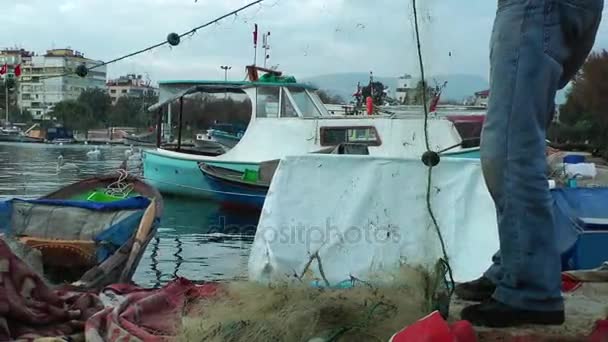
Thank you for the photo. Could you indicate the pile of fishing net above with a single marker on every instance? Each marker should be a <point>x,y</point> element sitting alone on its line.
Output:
<point>249,311</point>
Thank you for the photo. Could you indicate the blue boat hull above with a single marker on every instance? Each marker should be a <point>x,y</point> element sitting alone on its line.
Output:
<point>183,177</point>
<point>237,194</point>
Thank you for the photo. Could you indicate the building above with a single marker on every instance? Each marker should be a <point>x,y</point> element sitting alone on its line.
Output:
<point>11,58</point>
<point>130,85</point>
<point>51,78</point>
<point>481,98</point>
<point>404,85</point>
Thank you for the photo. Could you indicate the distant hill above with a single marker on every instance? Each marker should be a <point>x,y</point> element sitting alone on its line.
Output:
<point>459,86</point>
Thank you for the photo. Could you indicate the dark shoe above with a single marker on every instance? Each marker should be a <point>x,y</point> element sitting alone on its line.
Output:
<point>492,313</point>
<point>476,290</point>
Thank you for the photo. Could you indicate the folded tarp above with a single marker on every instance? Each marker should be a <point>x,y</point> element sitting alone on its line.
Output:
<point>364,216</point>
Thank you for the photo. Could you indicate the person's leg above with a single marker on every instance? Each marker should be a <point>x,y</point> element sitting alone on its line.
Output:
<point>526,57</point>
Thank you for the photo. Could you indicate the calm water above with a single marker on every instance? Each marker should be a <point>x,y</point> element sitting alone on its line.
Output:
<point>197,239</point>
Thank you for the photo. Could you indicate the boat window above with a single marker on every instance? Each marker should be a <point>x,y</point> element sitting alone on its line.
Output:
<point>304,102</point>
<point>267,102</point>
<point>318,102</point>
<point>367,135</point>
<point>287,108</point>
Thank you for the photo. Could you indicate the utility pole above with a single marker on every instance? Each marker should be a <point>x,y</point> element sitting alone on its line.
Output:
<point>225,68</point>
<point>6,99</point>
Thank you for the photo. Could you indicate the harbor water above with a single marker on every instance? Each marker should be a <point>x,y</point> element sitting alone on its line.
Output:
<point>197,239</point>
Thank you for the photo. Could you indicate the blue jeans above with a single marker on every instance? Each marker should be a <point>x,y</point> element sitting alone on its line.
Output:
<point>537,46</point>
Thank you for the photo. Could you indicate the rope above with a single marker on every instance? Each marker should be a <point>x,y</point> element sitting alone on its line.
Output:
<point>154,46</point>
<point>120,188</point>
<point>427,143</point>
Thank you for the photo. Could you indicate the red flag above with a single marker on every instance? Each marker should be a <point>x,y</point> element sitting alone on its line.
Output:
<point>18,70</point>
<point>4,69</point>
<point>255,36</point>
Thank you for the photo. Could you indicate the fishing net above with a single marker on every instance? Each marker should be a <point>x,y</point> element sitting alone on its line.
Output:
<point>249,311</point>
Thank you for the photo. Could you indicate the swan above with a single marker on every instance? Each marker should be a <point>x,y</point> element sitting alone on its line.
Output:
<point>94,154</point>
<point>63,166</point>
<point>129,152</point>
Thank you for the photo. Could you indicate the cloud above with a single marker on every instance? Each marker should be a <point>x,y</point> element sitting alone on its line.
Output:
<point>309,37</point>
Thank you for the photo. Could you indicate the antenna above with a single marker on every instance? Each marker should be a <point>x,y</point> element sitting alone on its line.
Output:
<point>266,46</point>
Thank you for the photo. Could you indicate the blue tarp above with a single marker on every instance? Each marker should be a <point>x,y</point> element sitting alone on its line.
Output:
<point>112,238</point>
<point>571,204</point>
<point>5,216</point>
<point>138,202</point>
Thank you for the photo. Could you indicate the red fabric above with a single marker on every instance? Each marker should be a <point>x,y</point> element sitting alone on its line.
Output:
<point>146,315</point>
<point>433,328</point>
<point>600,332</point>
<point>570,283</point>
<point>30,309</point>
<point>4,69</point>
<point>463,331</point>
<point>18,70</point>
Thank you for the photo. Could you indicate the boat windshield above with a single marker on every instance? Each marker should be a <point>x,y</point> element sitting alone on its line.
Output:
<point>318,102</point>
<point>287,108</point>
<point>267,104</point>
<point>303,101</point>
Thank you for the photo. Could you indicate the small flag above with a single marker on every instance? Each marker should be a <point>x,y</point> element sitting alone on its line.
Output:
<point>18,70</point>
<point>255,36</point>
<point>4,69</point>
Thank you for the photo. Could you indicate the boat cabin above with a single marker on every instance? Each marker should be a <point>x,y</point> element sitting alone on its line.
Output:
<point>289,118</point>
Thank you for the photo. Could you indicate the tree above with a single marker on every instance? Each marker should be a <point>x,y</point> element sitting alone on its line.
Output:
<point>99,103</point>
<point>327,98</point>
<point>586,107</point>
<point>74,115</point>
<point>376,91</point>
<point>128,111</point>
<point>21,116</point>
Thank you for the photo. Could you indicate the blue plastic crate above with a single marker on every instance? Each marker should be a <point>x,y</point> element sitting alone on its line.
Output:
<point>590,250</point>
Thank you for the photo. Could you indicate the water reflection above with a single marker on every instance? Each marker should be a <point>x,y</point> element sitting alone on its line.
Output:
<point>198,240</point>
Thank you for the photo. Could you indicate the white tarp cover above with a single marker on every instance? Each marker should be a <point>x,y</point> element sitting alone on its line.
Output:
<point>365,216</point>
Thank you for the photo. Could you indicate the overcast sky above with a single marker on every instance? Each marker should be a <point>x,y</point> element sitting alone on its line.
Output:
<point>308,37</point>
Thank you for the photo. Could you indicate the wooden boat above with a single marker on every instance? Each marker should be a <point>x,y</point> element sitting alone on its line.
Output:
<point>91,233</point>
<point>248,188</point>
<point>245,189</point>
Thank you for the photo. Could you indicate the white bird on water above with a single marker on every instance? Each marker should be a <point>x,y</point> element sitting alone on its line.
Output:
<point>94,154</point>
<point>63,166</point>
<point>129,152</point>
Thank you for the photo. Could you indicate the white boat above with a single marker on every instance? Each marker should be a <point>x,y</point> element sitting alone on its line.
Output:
<point>287,119</point>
